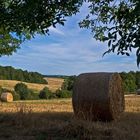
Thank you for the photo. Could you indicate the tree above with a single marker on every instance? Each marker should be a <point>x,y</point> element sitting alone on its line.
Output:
<point>23,19</point>
<point>68,83</point>
<point>10,73</point>
<point>117,22</point>
<point>45,93</point>
<point>114,21</point>
<point>22,90</point>
<point>138,79</point>
<point>63,93</point>
<point>8,43</point>
<point>129,81</point>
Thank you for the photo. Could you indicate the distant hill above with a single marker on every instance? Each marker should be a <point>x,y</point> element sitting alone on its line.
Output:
<point>10,73</point>
<point>53,84</point>
<point>57,76</point>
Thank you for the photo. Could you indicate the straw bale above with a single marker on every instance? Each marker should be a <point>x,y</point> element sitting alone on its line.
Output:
<point>6,97</point>
<point>98,96</point>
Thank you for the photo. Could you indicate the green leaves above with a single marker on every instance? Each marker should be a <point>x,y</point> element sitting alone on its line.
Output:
<point>27,18</point>
<point>8,43</point>
<point>117,23</point>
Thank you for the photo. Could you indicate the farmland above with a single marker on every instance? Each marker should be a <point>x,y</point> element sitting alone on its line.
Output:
<point>54,120</point>
<point>53,84</point>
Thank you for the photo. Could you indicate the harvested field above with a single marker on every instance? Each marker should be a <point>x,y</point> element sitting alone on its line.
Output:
<point>54,120</point>
<point>61,105</point>
<point>53,84</point>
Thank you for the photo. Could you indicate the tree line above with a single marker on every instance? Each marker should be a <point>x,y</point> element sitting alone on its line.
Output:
<point>131,81</point>
<point>10,73</point>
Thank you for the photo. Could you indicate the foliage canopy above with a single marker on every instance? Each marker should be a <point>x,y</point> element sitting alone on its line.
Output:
<point>45,93</point>
<point>22,90</point>
<point>10,73</point>
<point>22,19</point>
<point>114,21</point>
<point>117,22</point>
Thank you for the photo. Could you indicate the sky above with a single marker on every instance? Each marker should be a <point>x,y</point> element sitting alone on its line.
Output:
<point>68,50</point>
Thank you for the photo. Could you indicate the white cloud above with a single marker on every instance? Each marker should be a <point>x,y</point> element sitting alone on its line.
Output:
<point>56,31</point>
<point>68,50</point>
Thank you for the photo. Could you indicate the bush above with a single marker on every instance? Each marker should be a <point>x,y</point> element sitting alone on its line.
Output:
<point>64,94</point>
<point>69,83</point>
<point>32,95</point>
<point>0,90</point>
<point>4,90</point>
<point>22,90</point>
<point>16,96</point>
<point>45,93</point>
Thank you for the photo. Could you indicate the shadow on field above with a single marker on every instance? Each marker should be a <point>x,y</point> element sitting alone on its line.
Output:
<point>63,126</point>
<point>33,126</point>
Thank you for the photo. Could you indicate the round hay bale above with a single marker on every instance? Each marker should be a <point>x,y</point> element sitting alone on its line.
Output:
<point>98,96</point>
<point>6,97</point>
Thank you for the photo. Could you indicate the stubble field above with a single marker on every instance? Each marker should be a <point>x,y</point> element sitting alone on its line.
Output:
<point>54,120</point>
<point>53,84</point>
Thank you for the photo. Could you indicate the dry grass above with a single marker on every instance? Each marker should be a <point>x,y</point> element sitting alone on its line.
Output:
<point>54,120</point>
<point>53,84</point>
<point>38,106</point>
<point>132,103</point>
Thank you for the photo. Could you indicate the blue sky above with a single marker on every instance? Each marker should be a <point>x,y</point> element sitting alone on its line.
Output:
<point>68,50</point>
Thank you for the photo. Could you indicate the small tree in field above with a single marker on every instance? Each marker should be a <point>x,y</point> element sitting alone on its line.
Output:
<point>63,93</point>
<point>22,90</point>
<point>45,93</point>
